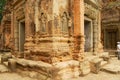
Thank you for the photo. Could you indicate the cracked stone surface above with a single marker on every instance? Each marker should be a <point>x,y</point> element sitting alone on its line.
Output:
<point>113,66</point>
<point>6,75</point>
<point>3,68</point>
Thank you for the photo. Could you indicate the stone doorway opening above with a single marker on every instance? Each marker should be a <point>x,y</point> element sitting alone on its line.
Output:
<point>111,39</point>
<point>88,31</point>
<point>21,36</point>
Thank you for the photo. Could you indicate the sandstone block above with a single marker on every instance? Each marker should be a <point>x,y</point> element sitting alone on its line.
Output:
<point>95,65</point>
<point>12,64</point>
<point>5,57</point>
<point>85,68</point>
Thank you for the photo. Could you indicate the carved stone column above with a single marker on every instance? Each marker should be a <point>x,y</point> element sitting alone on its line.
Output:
<point>37,15</point>
<point>27,33</point>
<point>29,17</point>
<point>95,36</point>
<point>100,45</point>
<point>29,26</point>
<point>78,30</point>
<point>12,30</point>
<point>16,35</point>
<point>118,8</point>
<point>119,32</point>
<point>2,37</point>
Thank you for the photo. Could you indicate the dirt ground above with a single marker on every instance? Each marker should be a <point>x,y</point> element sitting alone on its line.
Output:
<point>91,76</point>
<point>13,76</point>
<point>101,76</point>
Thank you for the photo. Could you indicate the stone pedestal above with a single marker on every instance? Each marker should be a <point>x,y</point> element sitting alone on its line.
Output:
<point>85,67</point>
<point>12,64</point>
<point>95,65</point>
<point>66,70</point>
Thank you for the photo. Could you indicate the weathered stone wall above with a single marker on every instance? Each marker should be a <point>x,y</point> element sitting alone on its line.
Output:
<point>29,17</point>
<point>93,12</point>
<point>51,34</point>
<point>17,15</point>
<point>6,28</point>
<point>79,39</point>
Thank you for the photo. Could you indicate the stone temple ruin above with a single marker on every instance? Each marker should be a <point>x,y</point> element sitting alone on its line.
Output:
<point>110,25</point>
<point>53,37</point>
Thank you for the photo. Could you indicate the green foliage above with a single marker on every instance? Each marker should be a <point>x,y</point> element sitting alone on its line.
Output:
<point>2,4</point>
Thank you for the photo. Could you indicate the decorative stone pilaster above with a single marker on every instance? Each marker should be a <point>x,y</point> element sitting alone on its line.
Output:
<point>37,15</point>
<point>119,25</point>
<point>119,32</point>
<point>2,35</point>
<point>16,36</point>
<point>100,45</point>
<point>12,30</point>
<point>30,27</point>
<point>95,36</point>
<point>79,48</point>
<point>79,30</point>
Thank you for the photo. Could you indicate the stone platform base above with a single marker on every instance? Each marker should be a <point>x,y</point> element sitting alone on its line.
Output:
<point>45,71</point>
<point>65,70</point>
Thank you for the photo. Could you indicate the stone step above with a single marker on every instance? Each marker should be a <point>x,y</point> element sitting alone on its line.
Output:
<point>96,65</point>
<point>3,69</point>
<point>103,63</point>
<point>111,68</point>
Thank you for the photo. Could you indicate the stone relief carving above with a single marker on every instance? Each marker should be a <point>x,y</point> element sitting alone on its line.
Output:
<point>90,11</point>
<point>43,23</point>
<point>70,26</point>
<point>7,40</point>
<point>30,8</point>
<point>64,22</point>
<point>20,13</point>
<point>33,28</point>
<point>56,22</point>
